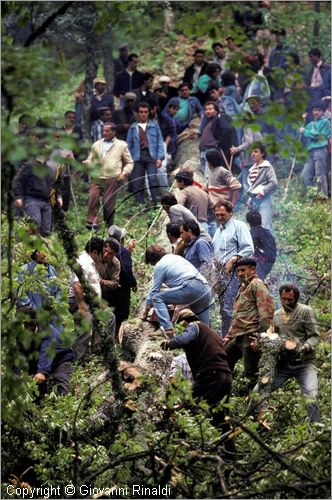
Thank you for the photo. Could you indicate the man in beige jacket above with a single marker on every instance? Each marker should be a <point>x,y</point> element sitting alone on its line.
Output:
<point>114,162</point>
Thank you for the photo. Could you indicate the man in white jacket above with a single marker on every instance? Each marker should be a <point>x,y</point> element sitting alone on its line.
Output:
<point>113,158</point>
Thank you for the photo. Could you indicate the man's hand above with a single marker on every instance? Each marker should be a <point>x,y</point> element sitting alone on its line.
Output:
<point>131,246</point>
<point>164,345</point>
<point>306,348</point>
<point>260,195</point>
<point>226,340</point>
<point>301,129</point>
<point>60,202</point>
<point>158,163</point>
<point>254,344</point>
<point>233,150</point>
<point>40,378</point>
<point>230,264</point>
<point>19,202</point>
<point>144,314</point>
<point>122,177</point>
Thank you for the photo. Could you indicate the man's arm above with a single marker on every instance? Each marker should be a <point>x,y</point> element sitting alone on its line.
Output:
<point>127,164</point>
<point>158,279</point>
<point>113,283</point>
<point>189,334</point>
<point>311,327</point>
<point>265,306</point>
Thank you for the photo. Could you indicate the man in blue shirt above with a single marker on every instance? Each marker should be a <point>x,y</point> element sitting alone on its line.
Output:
<point>231,241</point>
<point>197,251</point>
<point>185,285</point>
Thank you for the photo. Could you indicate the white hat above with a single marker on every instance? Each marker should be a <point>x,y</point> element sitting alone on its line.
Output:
<point>164,79</point>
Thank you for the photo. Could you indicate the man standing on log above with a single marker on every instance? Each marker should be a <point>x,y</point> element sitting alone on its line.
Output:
<point>231,241</point>
<point>297,321</point>
<point>252,313</point>
<point>185,285</point>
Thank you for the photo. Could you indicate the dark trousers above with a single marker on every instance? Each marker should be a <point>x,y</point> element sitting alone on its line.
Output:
<point>107,189</point>
<point>240,348</point>
<point>60,376</point>
<point>120,300</point>
<point>213,387</point>
<point>41,212</point>
<point>145,165</point>
<point>66,193</point>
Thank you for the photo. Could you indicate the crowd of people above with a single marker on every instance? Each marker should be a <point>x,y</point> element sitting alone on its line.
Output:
<point>134,133</point>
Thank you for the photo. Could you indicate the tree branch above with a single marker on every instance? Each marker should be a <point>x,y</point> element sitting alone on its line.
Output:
<point>274,454</point>
<point>43,27</point>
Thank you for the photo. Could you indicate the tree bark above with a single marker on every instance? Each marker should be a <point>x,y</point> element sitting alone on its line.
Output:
<point>106,42</point>
<point>316,25</point>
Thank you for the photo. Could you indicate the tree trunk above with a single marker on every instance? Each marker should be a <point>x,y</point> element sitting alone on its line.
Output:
<point>106,42</point>
<point>316,25</point>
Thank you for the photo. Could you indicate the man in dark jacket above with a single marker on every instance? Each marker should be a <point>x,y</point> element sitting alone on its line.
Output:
<point>208,362</point>
<point>120,297</point>
<point>144,93</point>
<point>128,79</point>
<point>264,244</point>
<point>318,80</point>
<point>215,131</point>
<point>124,117</point>
<point>32,188</point>
<point>197,69</point>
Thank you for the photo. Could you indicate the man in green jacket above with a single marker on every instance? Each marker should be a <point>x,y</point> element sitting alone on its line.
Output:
<point>317,133</point>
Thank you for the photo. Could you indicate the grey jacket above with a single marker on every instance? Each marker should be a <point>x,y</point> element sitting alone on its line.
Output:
<point>266,180</point>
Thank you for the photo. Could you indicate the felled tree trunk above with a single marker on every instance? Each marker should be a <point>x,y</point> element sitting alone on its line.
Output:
<point>142,348</point>
<point>187,155</point>
<point>136,336</point>
<point>272,347</point>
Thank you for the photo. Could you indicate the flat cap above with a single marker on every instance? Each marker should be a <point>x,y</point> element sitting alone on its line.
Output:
<point>130,95</point>
<point>246,261</point>
<point>98,79</point>
<point>186,314</point>
<point>165,79</point>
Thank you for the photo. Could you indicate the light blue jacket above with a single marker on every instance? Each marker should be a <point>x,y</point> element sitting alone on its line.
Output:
<point>155,139</point>
<point>195,107</point>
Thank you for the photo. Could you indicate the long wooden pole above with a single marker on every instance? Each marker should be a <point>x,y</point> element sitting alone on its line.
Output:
<point>291,169</point>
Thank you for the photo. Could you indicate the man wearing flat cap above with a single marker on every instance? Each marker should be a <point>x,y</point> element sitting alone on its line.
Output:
<point>208,363</point>
<point>165,91</point>
<point>252,313</point>
<point>124,117</point>
<point>100,99</point>
<point>121,62</point>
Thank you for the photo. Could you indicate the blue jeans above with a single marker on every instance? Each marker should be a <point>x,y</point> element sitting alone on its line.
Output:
<point>264,207</point>
<point>316,166</point>
<point>230,285</point>
<point>145,165</point>
<point>193,292</point>
<point>41,212</point>
<point>306,375</point>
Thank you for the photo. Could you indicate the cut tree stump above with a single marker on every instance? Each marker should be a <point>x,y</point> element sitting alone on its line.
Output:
<point>273,348</point>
